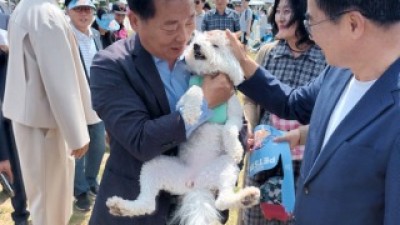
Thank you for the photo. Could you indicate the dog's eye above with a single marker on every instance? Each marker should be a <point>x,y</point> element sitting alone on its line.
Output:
<point>215,46</point>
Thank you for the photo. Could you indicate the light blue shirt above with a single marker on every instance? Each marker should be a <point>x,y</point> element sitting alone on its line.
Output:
<point>245,17</point>
<point>176,83</point>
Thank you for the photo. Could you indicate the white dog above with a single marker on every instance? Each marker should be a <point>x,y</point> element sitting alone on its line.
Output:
<point>208,160</point>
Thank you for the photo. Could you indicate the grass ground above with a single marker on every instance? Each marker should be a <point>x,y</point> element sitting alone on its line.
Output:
<point>78,218</point>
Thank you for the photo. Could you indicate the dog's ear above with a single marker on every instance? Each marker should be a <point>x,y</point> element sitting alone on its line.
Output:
<point>194,34</point>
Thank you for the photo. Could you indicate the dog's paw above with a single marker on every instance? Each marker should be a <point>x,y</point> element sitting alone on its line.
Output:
<point>190,105</point>
<point>250,197</point>
<point>117,206</point>
<point>121,207</point>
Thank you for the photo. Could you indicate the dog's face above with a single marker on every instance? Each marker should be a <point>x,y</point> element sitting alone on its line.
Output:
<point>209,53</point>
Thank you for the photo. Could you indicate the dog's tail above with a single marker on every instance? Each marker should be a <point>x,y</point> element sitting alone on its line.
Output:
<point>197,208</point>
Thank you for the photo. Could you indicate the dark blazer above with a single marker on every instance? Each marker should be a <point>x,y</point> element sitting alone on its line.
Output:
<point>97,39</point>
<point>129,96</point>
<point>4,143</point>
<point>356,178</point>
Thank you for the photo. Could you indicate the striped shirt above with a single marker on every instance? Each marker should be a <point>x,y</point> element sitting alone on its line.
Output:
<point>292,71</point>
<point>228,20</point>
<point>87,47</point>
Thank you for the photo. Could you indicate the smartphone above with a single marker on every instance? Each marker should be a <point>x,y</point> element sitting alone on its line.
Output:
<point>6,185</point>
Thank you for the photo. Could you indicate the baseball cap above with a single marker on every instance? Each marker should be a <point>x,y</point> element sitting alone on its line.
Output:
<point>106,21</point>
<point>76,3</point>
<point>119,8</point>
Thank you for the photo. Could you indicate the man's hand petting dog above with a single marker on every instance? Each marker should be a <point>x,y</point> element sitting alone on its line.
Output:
<point>217,89</point>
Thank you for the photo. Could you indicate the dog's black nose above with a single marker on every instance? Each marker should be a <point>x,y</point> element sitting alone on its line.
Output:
<point>196,47</point>
<point>198,55</point>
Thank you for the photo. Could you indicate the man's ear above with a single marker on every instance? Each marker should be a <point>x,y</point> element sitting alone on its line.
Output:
<point>133,19</point>
<point>356,24</point>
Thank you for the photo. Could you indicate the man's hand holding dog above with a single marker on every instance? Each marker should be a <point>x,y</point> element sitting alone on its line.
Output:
<point>217,89</point>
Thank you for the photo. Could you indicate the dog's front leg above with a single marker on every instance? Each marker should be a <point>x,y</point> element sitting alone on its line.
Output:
<point>190,105</point>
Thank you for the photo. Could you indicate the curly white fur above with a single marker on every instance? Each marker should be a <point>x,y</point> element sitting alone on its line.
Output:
<point>207,162</point>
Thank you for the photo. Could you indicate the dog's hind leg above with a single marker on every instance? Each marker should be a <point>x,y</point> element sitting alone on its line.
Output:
<point>244,198</point>
<point>161,173</point>
<point>226,173</point>
<point>230,132</point>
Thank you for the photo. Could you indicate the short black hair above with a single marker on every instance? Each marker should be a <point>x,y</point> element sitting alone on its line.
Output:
<point>299,8</point>
<point>383,12</point>
<point>145,9</point>
<point>66,3</point>
<point>206,6</point>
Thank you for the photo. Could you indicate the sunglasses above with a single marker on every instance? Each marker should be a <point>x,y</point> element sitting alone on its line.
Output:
<point>197,2</point>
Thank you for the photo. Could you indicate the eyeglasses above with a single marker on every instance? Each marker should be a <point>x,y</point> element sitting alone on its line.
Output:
<point>308,25</point>
<point>85,9</point>
<point>197,2</point>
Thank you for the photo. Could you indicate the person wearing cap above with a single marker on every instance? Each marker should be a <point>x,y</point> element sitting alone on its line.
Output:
<point>48,101</point>
<point>105,24</point>
<point>81,13</point>
<point>119,10</point>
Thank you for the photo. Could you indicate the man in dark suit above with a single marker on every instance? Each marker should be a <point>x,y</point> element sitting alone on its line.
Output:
<point>9,161</point>
<point>135,85</point>
<point>350,172</point>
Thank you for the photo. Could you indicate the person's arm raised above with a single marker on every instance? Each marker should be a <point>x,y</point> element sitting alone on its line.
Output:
<point>248,65</point>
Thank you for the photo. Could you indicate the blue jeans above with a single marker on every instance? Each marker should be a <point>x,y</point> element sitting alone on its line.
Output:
<point>87,167</point>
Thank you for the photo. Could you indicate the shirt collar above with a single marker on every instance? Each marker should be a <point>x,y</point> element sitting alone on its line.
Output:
<point>81,35</point>
<point>225,11</point>
<point>283,49</point>
<point>158,60</point>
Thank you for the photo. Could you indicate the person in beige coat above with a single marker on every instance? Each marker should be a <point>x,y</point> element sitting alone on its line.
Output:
<point>47,98</point>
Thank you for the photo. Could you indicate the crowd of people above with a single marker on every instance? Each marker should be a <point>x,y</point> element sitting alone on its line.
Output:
<point>73,76</point>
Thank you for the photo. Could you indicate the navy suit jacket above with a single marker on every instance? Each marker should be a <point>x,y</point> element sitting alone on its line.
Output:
<point>4,143</point>
<point>355,180</point>
<point>3,138</point>
<point>129,96</point>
